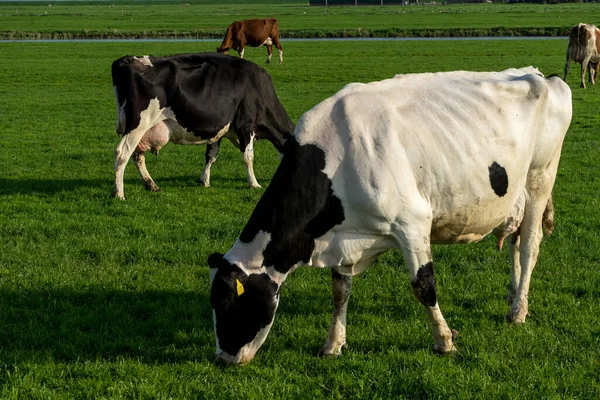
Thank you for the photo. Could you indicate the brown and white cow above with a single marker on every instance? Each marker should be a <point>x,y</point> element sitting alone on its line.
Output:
<point>584,42</point>
<point>255,33</point>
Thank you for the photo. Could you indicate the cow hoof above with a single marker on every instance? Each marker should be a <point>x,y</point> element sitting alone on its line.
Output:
<point>328,353</point>
<point>516,318</point>
<point>115,195</point>
<point>254,186</point>
<point>200,181</point>
<point>152,187</point>
<point>517,315</point>
<point>446,349</point>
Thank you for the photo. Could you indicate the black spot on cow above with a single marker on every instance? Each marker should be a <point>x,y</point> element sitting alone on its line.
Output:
<point>298,206</point>
<point>498,179</point>
<point>239,317</point>
<point>424,286</point>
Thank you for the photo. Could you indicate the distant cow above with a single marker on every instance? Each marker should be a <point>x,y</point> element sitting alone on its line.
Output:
<point>584,48</point>
<point>255,33</point>
<point>193,99</point>
<point>399,164</point>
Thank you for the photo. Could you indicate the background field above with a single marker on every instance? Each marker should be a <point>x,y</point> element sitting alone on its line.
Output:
<point>209,19</point>
<point>108,299</point>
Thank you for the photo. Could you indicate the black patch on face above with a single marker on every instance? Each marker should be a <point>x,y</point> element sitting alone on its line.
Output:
<point>498,179</point>
<point>239,318</point>
<point>424,285</point>
<point>298,206</point>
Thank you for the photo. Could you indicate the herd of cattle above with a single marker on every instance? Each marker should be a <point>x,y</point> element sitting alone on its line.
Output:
<point>403,163</point>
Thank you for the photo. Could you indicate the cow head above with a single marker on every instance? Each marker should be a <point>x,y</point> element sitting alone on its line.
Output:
<point>243,309</point>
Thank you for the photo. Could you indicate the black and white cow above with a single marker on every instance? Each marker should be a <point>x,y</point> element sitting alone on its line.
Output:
<point>398,164</point>
<point>193,99</point>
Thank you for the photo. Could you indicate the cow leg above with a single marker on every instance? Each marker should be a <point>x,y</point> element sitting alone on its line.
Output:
<point>123,152</point>
<point>249,161</point>
<point>139,160</point>
<point>269,53</point>
<point>212,152</point>
<point>241,52</point>
<point>279,48</point>
<point>584,65</point>
<point>528,249</point>
<point>336,339</point>
<point>592,68</point>
<point>567,67</point>
<point>417,254</point>
<point>515,273</point>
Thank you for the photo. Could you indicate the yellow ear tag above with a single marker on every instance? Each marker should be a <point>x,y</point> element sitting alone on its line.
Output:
<point>240,287</point>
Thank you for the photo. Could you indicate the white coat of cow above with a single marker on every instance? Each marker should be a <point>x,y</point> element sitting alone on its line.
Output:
<point>399,164</point>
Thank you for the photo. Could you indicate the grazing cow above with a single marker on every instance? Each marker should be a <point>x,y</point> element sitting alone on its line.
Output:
<point>398,164</point>
<point>255,33</point>
<point>193,99</point>
<point>584,48</point>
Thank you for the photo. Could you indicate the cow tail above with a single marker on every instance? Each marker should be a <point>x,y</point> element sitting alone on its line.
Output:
<point>548,217</point>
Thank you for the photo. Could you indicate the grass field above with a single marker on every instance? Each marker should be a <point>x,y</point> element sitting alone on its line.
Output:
<point>108,299</point>
<point>199,19</point>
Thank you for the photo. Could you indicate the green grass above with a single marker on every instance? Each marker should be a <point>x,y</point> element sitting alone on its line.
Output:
<point>176,19</point>
<point>108,299</point>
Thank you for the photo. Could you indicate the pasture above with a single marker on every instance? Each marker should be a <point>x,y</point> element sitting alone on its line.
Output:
<point>210,18</point>
<point>102,298</point>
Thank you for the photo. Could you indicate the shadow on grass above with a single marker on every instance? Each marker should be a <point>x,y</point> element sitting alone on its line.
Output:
<point>48,186</point>
<point>52,186</point>
<point>150,326</point>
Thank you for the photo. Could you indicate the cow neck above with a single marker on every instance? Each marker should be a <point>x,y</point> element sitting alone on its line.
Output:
<point>250,259</point>
<point>298,207</point>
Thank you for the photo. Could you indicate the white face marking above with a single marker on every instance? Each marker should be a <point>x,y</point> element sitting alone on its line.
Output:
<point>144,60</point>
<point>213,273</point>
<point>247,352</point>
<point>215,328</point>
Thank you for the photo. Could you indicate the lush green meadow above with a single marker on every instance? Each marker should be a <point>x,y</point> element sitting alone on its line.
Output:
<point>102,298</point>
<point>209,19</point>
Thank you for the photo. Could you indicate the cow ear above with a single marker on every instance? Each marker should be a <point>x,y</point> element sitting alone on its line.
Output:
<point>214,260</point>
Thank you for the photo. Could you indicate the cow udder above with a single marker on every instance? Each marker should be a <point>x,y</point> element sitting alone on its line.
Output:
<point>155,138</point>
